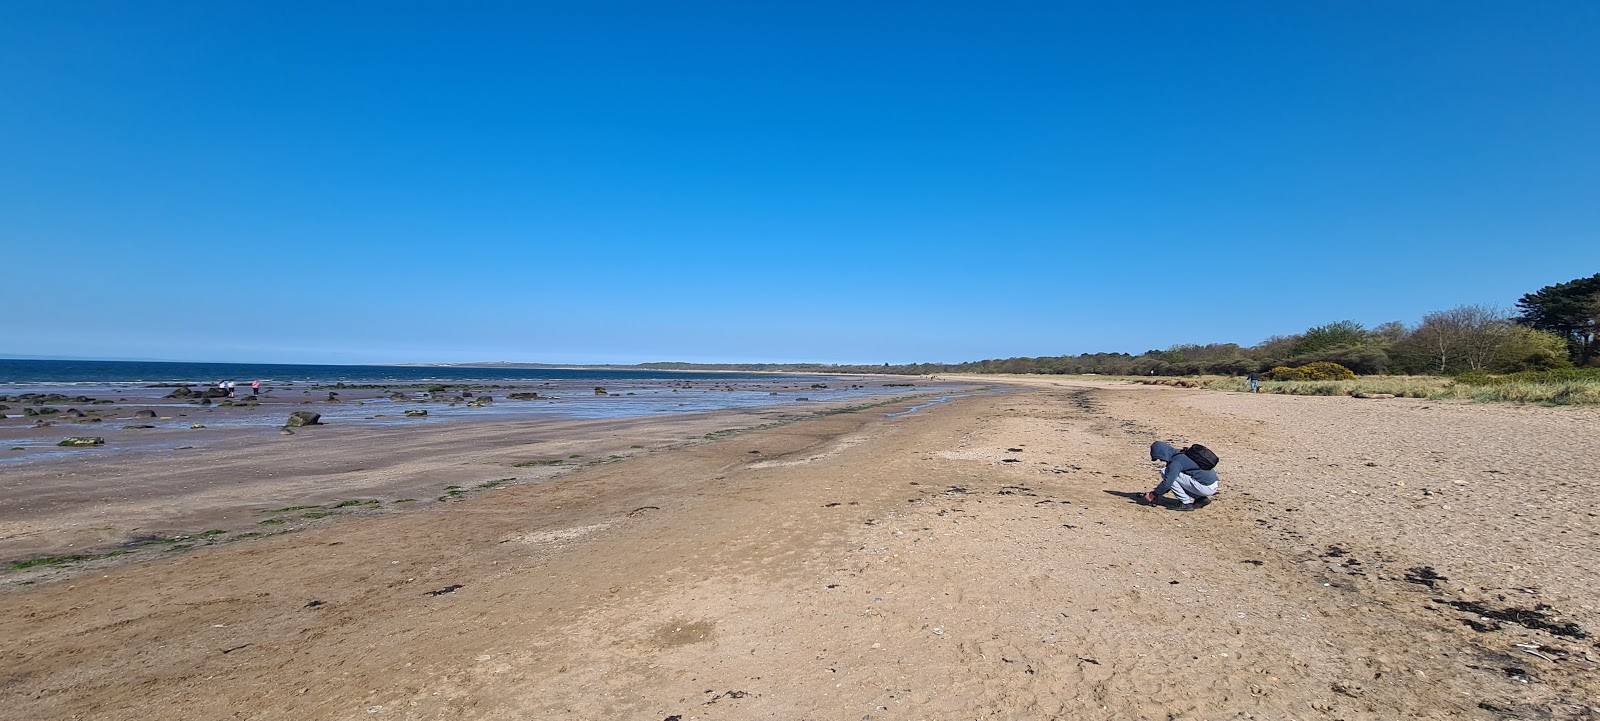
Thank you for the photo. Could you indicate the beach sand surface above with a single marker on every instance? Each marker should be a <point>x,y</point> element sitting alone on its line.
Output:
<point>980,559</point>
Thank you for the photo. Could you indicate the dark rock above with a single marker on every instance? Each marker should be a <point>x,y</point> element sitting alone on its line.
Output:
<point>181,392</point>
<point>79,441</point>
<point>144,414</point>
<point>129,428</point>
<point>303,418</point>
<point>416,413</point>
<point>524,396</point>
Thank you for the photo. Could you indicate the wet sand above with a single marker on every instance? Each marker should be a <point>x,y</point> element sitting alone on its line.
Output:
<point>171,488</point>
<point>980,558</point>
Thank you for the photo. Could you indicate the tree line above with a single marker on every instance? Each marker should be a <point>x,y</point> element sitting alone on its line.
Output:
<point>1557,326</point>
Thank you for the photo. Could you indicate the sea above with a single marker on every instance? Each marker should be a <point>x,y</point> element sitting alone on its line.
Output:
<point>562,393</point>
<point>21,372</point>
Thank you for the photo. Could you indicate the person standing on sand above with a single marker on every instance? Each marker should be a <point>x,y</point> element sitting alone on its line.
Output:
<point>1255,381</point>
<point>255,388</point>
<point>230,389</point>
<point>1188,475</point>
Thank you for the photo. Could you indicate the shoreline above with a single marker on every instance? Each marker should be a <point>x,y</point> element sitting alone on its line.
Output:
<point>189,489</point>
<point>139,415</point>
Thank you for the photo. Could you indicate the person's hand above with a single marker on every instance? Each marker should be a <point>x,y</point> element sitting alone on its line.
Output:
<point>1150,498</point>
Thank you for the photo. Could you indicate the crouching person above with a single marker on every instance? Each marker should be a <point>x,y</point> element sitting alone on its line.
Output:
<point>1188,475</point>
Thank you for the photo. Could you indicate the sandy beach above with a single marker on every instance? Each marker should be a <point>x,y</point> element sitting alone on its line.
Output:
<point>982,558</point>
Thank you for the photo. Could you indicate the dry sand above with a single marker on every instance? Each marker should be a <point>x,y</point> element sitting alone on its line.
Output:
<point>979,559</point>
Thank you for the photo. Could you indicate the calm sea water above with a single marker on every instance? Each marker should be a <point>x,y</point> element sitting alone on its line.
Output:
<point>564,394</point>
<point>65,372</point>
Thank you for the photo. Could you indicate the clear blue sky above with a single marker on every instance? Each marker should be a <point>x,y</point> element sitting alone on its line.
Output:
<point>841,182</point>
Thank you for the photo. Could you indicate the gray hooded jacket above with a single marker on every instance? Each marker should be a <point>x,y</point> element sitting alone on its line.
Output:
<point>1178,464</point>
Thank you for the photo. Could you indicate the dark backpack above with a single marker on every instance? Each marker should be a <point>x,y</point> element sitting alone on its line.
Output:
<point>1202,456</point>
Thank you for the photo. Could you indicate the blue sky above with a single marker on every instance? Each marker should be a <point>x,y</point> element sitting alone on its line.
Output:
<point>838,182</point>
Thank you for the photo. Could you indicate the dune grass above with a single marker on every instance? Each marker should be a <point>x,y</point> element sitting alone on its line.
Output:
<point>1544,389</point>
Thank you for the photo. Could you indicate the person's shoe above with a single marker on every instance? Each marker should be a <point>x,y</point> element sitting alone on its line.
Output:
<point>1183,507</point>
<point>1202,502</point>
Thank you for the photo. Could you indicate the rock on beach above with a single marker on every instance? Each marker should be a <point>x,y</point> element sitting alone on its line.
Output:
<point>303,418</point>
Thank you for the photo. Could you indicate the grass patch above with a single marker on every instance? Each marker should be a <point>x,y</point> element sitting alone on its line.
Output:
<point>576,455</point>
<point>347,504</point>
<point>1566,386</point>
<point>320,514</point>
<point>1398,386</point>
<point>1560,387</point>
<point>272,522</point>
<point>62,560</point>
<point>636,446</point>
<point>492,484</point>
<point>406,500</point>
<point>550,462</point>
<point>210,533</point>
<point>290,509</point>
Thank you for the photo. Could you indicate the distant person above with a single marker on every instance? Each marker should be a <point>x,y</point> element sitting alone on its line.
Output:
<point>255,388</point>
<point>222,388</point>
<point>1255,381</point>
<point>1189,475</point>
<point>230,389</point>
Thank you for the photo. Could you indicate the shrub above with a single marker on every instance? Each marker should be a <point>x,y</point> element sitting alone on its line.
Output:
<point>1320,371</point>
<point>1364,360</point>
<point>1528,349</point>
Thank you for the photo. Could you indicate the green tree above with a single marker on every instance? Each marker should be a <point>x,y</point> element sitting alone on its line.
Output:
<point>1570,310</point>
<point>1323,337</point>
<point>1528,349</point>
<point>1387,334</point>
